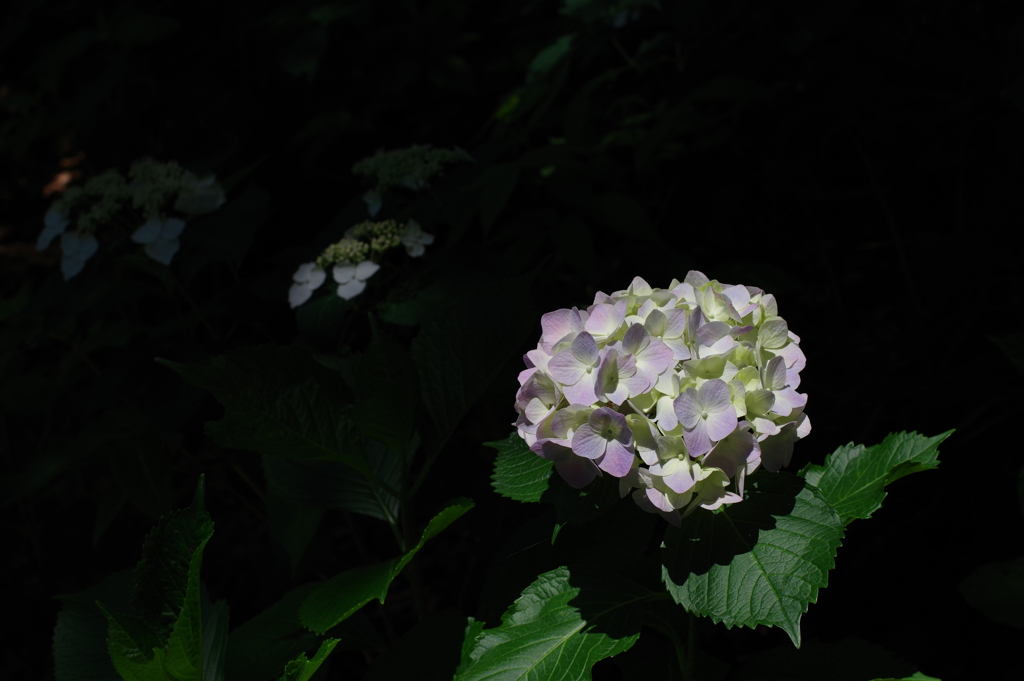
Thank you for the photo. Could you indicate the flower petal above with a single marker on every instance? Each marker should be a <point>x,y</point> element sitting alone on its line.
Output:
<point>343,274</point>
<point>351,289</point>
<point>714,396</point>
<point>721,423</point>
<point>366,269</point>
<point>687,408</point>
<point>587,443</point>
<point>617,460</point>
<point>172,228</point>
<point>298,294</point>
<point>162,250</point>
<point>148,232</point>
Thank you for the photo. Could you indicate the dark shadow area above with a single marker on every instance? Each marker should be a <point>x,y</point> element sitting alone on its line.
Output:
<point>715,538</point>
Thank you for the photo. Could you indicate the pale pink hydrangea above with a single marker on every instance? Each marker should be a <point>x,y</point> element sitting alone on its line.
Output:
<point>679,392</point>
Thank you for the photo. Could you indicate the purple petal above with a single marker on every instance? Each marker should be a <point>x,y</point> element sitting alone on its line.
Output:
<point>658,500</point>
<point>565,368</point>
<point>582,392</point>
<point>587,443</point>
<point>721,423</point>
<point>636,339</point>
<point>731,453</point>
<point>681,480</point>
<point>618,459</point>
<point>687,408</point>
<point>714,396</point>
<point>697,440</point>
<point>584,349</point>
<point>577,471</point>
<point>605,320</point>
<point>712,332</point>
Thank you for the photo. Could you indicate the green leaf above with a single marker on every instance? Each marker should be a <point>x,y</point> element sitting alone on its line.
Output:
<point>322,319</point>
<point>548,58</point>
<point>562,625</point>
<point>456,364</point>
<point>917,676</point>
<point>301,669</point>
<point>499,182</point>
<point>333,485</point>
<point>80,637</point>
<point>519,473</point>
<point>760,561</point>
<point>849,660</point>
<point>339,597</point>
<point>997,589</point>
<point>853,477</point>
<point>264,644</point>
<point>292,525</point>
<point>277,401</point>
<point>163,633</point>
<point>386,392</point>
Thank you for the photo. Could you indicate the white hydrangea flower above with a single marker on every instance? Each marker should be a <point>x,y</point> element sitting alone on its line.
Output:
<point>199,196</point>
<point>415,239</point>
<point>307,279</point>
<point>352,278</point>
<point>55,221</point>
<point>75,250</point>
<point>160,238</point>
<point>680,392</point>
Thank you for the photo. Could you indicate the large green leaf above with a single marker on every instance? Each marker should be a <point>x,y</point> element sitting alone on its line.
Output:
<point>339,597</point>
<point>853,477</point>
<point>80,637</point>
<point>333,485</point>
<point>519,473</point>
<point>278,401</point>
<point>564,623</point>
<point>457,354</point>
<point>163,633</point>
<point>760,561</point>
<point>259,648</point>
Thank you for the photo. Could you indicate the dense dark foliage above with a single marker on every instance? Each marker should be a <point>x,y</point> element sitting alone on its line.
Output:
<point>861,161</point>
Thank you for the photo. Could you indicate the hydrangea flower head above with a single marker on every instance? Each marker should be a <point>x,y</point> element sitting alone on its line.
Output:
<point>412,167</point>
<point>353,259</point>
<point>199,196</point>
<point>679,392</point>
<point>415,239</point>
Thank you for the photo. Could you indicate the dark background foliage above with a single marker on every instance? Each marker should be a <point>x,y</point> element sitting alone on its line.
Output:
<point>861,161</point>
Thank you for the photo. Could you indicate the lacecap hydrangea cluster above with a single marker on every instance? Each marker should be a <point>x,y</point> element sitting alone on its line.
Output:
<point>151,192</point>
<point>411,167</point>
<point>680,392</point>
<point>352,260</point>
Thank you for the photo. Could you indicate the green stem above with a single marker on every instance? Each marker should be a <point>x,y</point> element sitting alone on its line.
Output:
<point>691,647</point>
